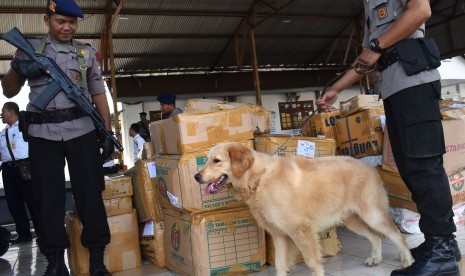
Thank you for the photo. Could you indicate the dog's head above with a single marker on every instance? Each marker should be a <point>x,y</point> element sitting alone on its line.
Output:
<point>226,162</point>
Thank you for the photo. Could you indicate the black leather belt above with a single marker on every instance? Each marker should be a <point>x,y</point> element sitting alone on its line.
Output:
<point>55,116</point>
<point>387,59</point>
<point>12,163</point>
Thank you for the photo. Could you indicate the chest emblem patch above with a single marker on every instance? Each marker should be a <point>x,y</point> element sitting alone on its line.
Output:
<point>77,77</point>
<point>83,52</point>
<point>382,12</point>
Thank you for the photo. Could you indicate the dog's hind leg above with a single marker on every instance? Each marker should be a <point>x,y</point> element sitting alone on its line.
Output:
<point>306,240</point>
<point>281,254</point>
<point>380,220</point>
<point>358,226</point>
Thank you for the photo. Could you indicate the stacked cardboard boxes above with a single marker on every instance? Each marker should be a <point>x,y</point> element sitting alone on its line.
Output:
<point>123,251</point>
<point>322,125</point>
<point>454,159</point>
<point>149,213</point>
<point>259,117</point>
<point>203,235</point>
<point>359,131</point>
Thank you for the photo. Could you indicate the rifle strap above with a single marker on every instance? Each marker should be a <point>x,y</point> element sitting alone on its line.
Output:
<point>79,53</point>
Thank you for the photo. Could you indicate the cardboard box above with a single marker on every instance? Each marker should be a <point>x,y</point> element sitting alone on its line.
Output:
<point>117,185</point>
<point>329,243</point>
<point>213,243</point>
<point>152,243</point>
<point>148,151</point>
<point>400,196</point>
<point>452,109</point>
<point>177,186</point>
<point>269,144</point>
<point>187,132</point>
<point>360,103</point>
<point>202,105</point>
<point>361,134</point>
<point>145,196</point>
<point>454,158</point>
<point>122,253</point>
<point>260,117</point>
<point>118,206</point>
<point>322,125</point>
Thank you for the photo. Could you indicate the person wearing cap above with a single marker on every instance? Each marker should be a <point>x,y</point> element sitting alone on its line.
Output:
<point>168,105</point>
<point>55,139</point>
<point>144,126</point>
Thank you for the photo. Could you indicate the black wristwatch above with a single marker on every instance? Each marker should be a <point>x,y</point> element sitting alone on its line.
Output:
<point>374,46</point>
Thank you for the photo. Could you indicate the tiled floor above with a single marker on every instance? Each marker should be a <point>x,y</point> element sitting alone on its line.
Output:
<point>26,260</point>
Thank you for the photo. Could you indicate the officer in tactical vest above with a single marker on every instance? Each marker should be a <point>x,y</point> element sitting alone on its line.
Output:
<point>410,87</point>
<point>63,132</point>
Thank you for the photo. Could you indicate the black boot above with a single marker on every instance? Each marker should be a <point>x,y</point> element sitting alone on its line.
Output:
<point>417,251</point>
<point>435,259</point>
<point>56,264</point>
<point>96,265</point>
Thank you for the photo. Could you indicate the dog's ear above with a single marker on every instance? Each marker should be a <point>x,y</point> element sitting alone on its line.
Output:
<point>241,159</point>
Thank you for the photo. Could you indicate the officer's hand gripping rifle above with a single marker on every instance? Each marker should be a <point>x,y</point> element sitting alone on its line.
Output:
<point>60,80</point>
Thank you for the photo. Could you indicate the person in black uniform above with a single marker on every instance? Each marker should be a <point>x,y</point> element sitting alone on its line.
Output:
<point>63,132</point>
<point>411,92</point>
<point>18,192</point>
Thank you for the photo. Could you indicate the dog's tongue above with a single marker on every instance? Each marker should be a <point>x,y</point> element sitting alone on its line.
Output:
<point>208,189</point>
<point>212,186</point>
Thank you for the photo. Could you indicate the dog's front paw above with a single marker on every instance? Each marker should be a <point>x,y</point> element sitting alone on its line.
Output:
<point>372,261</point>
<point>406,260</point>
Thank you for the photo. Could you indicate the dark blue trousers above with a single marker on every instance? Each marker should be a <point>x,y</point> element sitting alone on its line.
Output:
<point>85,170</point>
<point>19,195</point>
<point>415,131</point>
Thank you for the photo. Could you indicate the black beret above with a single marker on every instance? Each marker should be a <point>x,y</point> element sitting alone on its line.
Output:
<point>166,98</point>
<point>65,7</point>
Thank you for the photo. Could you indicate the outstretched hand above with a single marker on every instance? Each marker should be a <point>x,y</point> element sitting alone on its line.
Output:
<point>327,100</point>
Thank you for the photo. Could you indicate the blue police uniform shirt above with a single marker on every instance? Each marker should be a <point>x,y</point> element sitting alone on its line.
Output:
<point>18,146</point>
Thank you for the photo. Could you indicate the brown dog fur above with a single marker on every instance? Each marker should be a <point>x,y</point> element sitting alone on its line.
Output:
<point>295,198</point>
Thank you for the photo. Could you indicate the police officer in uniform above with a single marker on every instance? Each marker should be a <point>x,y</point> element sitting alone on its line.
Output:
<point>63,132</point>
<point>413,119</point>
<point>144,131</point>
<point>18,192</point>
<point>168,105</point>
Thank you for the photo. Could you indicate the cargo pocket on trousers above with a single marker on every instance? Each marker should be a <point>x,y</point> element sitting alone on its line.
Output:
<point>424,133</point>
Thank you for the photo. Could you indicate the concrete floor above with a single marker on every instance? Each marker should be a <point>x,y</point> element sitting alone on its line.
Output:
<point>25,259</point>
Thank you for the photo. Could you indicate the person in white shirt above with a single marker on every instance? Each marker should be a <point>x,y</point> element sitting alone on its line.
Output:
<point>138,141</point>
<point>18,192</point>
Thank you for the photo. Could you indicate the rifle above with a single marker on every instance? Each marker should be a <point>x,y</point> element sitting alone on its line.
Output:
<point>59,81</point>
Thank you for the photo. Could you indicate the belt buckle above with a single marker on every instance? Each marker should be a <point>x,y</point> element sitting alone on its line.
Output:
<point>64,115</point>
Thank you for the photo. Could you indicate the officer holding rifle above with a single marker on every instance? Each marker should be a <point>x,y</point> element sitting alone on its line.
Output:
<point>64,132</point>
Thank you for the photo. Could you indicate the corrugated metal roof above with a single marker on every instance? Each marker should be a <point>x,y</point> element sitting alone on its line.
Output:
<point>185,35</point>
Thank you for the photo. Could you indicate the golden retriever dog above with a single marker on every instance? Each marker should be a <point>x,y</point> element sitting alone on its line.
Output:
<point>296,198</point>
